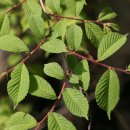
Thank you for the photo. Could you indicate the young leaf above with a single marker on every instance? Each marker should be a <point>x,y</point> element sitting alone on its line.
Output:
<point>114,26</point>
<point>106,14</point>
<point>32,8</point>
<point>18,86</point>
<point>41,88</point>
<point>54,5</point>
<point>21,121</point>
<point>74,79</point>
<point>94,33</point>
<point>107,91</point>
<point>54,70</point>
<point>76,102</point>
<point>4,25</point>
<point>12,43</point>
<point>110,44</point>
<point>74,36</point>
<point>58,122</point>
<point>82,71</point>
<point>37,26</point>
<point>54,46</point>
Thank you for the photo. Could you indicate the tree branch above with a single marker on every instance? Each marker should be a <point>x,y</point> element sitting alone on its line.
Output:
<point>26,58</point>
<point>98,63</point>
<point>54,106</point>
<point>71,18</point>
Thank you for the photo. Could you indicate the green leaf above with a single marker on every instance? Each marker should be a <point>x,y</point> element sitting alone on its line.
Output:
<point>74,7</point>
<point>41,88</point>
<point>59,29</point>
<point>128,68</point>
<point>54,46</point>
<point>110,44</point>
<point>12,43</point>
<point>58,122</point>
<point>76,102</point>
<point>82,71</point>
<point>74,36</point>
<point>18,86</point>
<point>15,1</point>
<point>4,25</point>
<point>79,6</point>
<point>107,91</point>
<point>14,59</point>
<point>21,121</point>
<point>37,26</point>
<point>6,2</point>
<point>94,33</point>
<point>74,79</point>
<point>54,5</point>
<point>114,26</point>
<point>106,14</point>
<point>32,8</point>
<point>54,70</point>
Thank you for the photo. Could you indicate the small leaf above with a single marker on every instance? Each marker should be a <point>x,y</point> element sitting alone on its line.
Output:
<point>94,33</point>
<point>58,122</point>
<point>74,79</point>
<point>128,68</point>
<point>4,25</point>
<point>37,26</point>
<point>106,14</point>
<point>54,46</point>
<point>76,102</point>
<point>107,91</point>
<point>32,8</point>
<point>18,86</point>
<point>41,88</point>
<point>21,121</point>
<point>114,26</point>
<point>54,5</point>
<point>12,43</point>
<point>74,36</point>
<point>54,70</point>
<point>110,44</point>
<point>82,71</point>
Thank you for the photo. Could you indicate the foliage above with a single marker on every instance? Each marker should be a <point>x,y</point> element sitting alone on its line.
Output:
<point>61,31</point>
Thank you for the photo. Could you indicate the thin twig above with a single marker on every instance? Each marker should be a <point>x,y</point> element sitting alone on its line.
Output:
<point>78,19</point>
<point>71,18</point>
<point>98,63</point>
<point>54,106</point>
<point>15,6</point>
<point>43,7</point>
